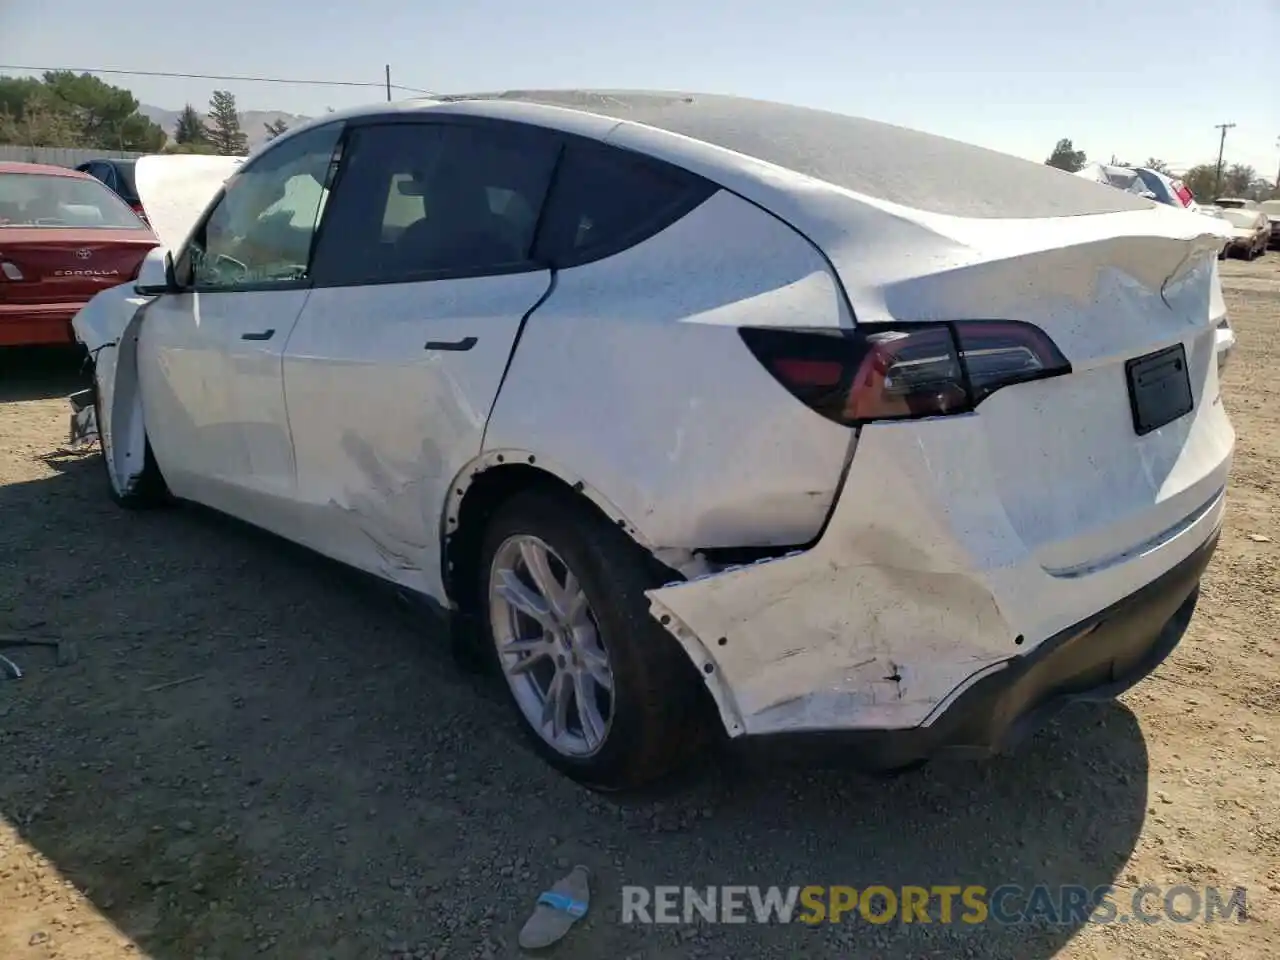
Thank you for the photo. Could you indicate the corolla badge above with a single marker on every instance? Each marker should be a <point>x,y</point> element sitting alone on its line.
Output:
<point>84,253</point>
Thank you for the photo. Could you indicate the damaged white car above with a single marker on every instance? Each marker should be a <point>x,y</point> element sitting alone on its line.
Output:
<point>709,413</point>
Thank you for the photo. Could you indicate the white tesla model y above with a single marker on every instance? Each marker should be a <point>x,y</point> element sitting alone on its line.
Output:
<point>706,412</point>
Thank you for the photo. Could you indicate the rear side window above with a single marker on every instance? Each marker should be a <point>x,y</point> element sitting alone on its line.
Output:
<point>124,180</point>
<point>605,200</point>
<point>422,201</point>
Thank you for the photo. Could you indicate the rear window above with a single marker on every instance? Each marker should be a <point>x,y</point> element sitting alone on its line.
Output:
<point>891,163</point>
<point>1246,219</point>
<point>42,200</point>
<point>124,170</point>
<point>1152,181</point>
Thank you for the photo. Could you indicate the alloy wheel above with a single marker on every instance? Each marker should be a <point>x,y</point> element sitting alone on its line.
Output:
<point>549,646</point>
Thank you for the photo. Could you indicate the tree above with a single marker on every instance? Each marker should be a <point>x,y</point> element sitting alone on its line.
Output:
<point>75,110</point>
<point>190,128</point>
<point>1067,157</point>
<point>108,116</point>
<point>1200,181</point>
<point>196,147</point>
<point>1236,180</point>
<point>1262,189</point>
<point>38,126</point>
<point>275,128</point>
<point>1159,166</point>
<point>224,125</point>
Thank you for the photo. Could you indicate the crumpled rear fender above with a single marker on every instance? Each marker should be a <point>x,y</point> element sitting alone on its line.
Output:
<point>108,327</point>
<point>877,626</point>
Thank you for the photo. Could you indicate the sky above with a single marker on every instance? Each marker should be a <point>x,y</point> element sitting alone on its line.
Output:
<point>1138,80</point>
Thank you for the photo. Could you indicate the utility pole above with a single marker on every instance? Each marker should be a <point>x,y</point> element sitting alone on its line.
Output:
<point>1222,143</point>
<point>388,83</point>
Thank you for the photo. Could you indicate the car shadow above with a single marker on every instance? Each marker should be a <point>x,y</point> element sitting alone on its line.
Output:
<point>254,753</point>
<point>41,373</point>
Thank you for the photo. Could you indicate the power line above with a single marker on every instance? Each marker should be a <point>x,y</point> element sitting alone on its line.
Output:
<point>214,76</point>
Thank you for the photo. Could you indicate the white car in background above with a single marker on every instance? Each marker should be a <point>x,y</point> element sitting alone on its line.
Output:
<point>707,413</point>
<point>1272,209</point>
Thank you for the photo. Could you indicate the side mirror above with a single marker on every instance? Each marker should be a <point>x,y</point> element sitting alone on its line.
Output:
<point>155,276</point>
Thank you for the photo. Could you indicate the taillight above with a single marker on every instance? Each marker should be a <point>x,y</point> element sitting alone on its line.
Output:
<point>900,372</point>
<point>1184,195</point>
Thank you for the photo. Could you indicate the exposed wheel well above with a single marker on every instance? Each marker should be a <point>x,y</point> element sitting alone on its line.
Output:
<point>487,492</point>
<point>468,520</point>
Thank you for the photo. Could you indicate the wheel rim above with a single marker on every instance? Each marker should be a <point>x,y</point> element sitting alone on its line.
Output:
<point>549,646</point>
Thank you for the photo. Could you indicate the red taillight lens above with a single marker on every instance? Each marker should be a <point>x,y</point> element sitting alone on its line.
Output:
<point>1184,195</point>
<point>899,372</point>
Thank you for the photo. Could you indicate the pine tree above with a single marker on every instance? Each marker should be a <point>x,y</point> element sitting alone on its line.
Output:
<point>190,128</point>
<point>275,128</point>
<point>224,125</point>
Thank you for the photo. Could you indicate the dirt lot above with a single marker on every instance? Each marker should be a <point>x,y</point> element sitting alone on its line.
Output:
<point>326,784</point>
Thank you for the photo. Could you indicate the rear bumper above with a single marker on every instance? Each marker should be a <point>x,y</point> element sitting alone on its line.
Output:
<point>26,324</point>
<point>928,579</point>
<point>1096,659</point>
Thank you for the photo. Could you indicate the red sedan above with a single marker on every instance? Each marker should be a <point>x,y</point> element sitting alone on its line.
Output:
<point>64,237</point>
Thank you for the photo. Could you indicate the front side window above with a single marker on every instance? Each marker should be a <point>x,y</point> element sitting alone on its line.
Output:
<point>45,200</point>
<point>418,201</point>
<point>260,230</point>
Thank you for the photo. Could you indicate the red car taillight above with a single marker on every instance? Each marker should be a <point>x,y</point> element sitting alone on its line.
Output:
<point>899,372</point>
<point>1184,195</point>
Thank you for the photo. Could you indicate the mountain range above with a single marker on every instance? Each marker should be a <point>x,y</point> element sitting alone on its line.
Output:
<point>253,122</point>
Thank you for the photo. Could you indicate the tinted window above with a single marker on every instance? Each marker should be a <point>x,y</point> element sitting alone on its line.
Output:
<point>124,179</point>
<point>1155,185</point>
<point>418,200</point>
<point>42,200</point>
<point>605,200</point>
<point>261,228</point>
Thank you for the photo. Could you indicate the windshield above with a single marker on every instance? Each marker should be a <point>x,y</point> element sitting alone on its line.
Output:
<point>45,200</point>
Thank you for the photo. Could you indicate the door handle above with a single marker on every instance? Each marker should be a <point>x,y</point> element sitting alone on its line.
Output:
<point>466,343</point>
<point>261,335</point>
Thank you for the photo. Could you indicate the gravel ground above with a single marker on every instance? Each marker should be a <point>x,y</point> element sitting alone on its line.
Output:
<point>326,784</point>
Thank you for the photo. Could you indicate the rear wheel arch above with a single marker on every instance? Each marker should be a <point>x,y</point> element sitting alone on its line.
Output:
<point>494,478</point>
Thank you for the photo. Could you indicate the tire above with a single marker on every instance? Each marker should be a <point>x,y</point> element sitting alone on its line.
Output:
<point>150,491</point>
<point>656,719</point>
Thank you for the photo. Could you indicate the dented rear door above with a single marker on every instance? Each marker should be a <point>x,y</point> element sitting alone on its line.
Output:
<point>421,286</point>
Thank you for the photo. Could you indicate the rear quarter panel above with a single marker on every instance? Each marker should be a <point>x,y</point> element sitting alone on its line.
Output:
<point>632,375</point>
